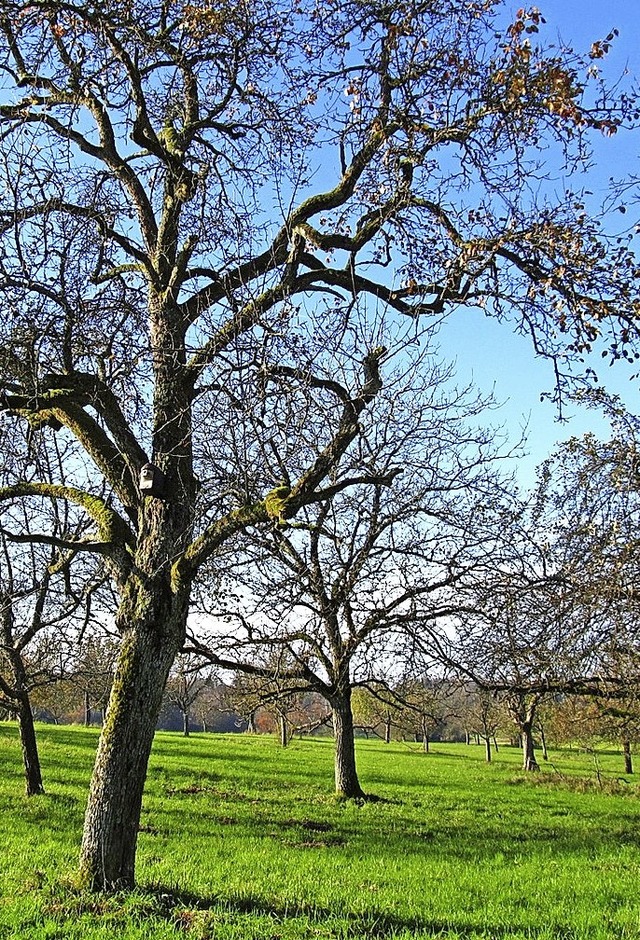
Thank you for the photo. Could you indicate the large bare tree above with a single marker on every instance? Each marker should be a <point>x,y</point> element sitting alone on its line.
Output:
<point>203,207</point>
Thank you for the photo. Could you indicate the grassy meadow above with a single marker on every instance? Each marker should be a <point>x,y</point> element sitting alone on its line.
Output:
<point>241,839</point>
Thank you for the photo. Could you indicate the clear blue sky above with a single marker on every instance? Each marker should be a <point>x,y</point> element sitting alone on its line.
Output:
<point>506,362</point>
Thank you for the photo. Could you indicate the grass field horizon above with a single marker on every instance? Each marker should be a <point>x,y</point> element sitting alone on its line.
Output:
<point>240,838</point>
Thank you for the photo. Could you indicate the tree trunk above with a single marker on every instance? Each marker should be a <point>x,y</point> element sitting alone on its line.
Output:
<point>626,751</point>
<point>251,723</point>
<point>107,858</point>
<point>495,744</point>
<point>387,730</point>
<point>26,728</point>
<point>467,738</point>
<point>529,761</point>
<point>346,775</point>
<point>284,729</point>
<point>425,737</point>
<point>185,723</point>
<point>543,742</point>
<point>29,744</point>
<point>487,749</point>
<point>87,709</point>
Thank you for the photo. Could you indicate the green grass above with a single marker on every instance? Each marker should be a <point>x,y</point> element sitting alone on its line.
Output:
<point>240,839</point>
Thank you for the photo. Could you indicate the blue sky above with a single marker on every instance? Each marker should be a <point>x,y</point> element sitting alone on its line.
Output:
<point>505,362</point>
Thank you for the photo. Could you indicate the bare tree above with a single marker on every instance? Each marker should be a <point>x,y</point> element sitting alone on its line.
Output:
<point>203,209</point>
<point>187,683</point>
<point>93,670</point>
<point>330,597</point>
<point>482,713</point>
<point>46,596</point>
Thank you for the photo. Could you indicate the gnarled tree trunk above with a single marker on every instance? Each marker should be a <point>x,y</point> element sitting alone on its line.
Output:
<point>149,646</point>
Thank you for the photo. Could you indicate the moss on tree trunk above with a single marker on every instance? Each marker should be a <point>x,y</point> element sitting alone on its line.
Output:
<point>107,859</point>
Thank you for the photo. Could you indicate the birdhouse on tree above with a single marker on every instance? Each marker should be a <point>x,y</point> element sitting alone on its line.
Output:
<point>152,481</point>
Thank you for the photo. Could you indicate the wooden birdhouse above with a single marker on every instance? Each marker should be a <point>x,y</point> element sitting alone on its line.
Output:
<point>152,481</point>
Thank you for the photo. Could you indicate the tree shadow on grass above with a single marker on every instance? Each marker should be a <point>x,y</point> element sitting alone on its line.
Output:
<point>179,907</point>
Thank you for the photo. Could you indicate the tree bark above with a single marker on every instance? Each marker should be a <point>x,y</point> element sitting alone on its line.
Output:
<point>185,723</point>
<point>346,775</point>
<point>487,749</point>
<point>387,730</point>
<point>87,709</point>
<point>628,762</point>
<point>107,858</point>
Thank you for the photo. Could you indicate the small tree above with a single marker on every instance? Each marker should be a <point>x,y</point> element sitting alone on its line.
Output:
<point>187,684</point>
<point>43,605</point>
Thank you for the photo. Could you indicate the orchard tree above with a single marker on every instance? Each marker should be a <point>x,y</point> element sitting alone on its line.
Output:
<point>208,212</point>
<point>187,683</point>
<point>424,704</point>
<point>46,596</point>
<point>329,598</point>
<point>375,709</point>
<point>589,501</point>
<point>525,629</point>
<point>481,713</point>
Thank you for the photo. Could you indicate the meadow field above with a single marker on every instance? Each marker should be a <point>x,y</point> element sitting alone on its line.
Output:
<point>242,839</point>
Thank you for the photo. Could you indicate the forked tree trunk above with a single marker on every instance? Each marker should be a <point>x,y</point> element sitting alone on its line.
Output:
<point>628,762</point>
<point>107,858</point>
<point>29,744</point>
<point>346,775</point>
